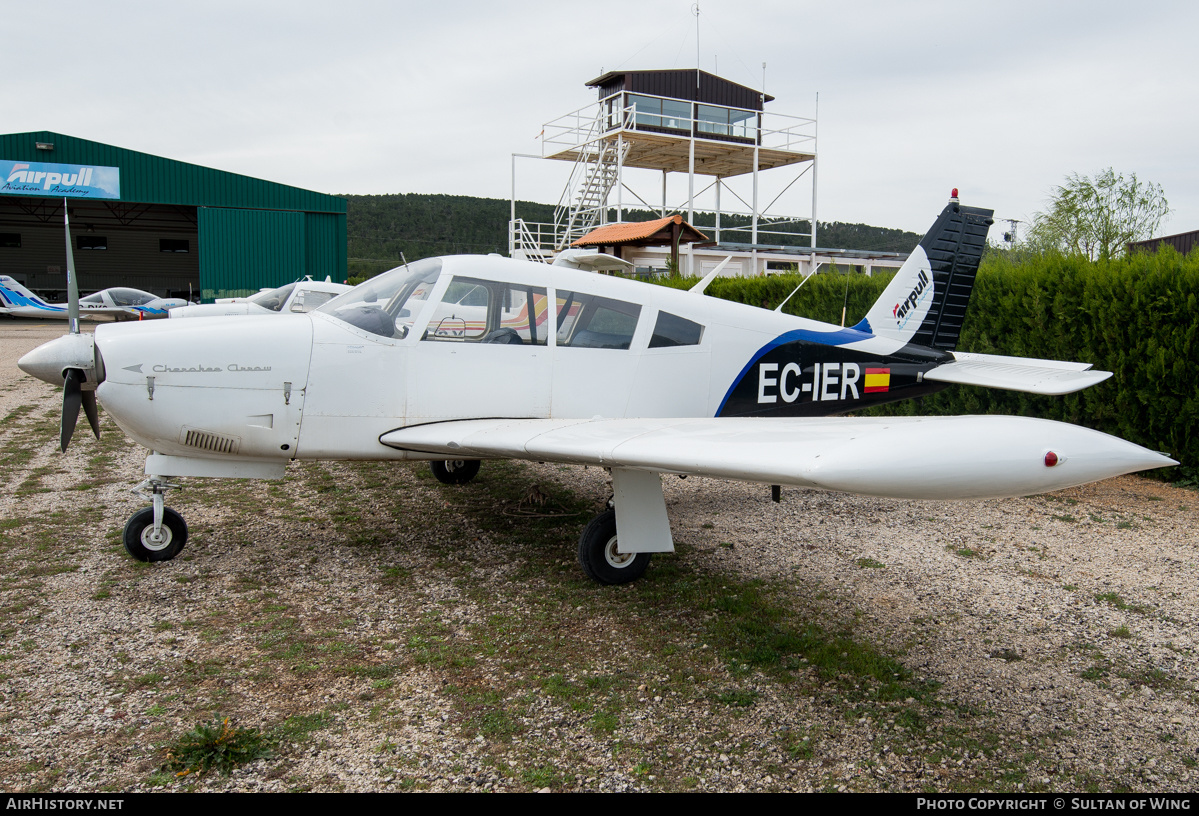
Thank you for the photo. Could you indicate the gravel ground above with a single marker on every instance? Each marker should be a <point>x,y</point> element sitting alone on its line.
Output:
<point>378,631</point>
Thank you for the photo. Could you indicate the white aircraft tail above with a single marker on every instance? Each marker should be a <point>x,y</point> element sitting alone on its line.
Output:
<point>926,300</point>
<point>13,293</point>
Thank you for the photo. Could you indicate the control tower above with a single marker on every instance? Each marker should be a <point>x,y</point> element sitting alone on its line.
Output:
<point>677,122</point>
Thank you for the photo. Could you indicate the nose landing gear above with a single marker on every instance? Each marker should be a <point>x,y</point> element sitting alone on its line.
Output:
<point>155,533</point>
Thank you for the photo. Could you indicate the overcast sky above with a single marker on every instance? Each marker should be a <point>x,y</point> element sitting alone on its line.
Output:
<point>1002,100</point>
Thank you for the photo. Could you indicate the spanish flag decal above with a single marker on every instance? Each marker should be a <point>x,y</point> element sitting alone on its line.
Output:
<point>877,380</point>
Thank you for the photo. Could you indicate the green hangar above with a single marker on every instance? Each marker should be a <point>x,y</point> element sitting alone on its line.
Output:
<point>165,226</point>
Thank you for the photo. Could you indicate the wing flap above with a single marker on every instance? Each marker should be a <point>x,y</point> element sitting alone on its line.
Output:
<point>899,457</point>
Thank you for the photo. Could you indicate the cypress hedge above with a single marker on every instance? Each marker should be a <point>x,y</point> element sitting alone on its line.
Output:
<point>1137,317</point>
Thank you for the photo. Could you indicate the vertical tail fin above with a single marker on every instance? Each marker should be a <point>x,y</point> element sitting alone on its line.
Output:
<point>13,293</point>
<point>926,300</point>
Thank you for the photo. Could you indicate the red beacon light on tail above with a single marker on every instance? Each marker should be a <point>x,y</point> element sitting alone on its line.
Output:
<point>953,196</point>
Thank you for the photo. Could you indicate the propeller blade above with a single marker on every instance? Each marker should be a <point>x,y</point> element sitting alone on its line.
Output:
<point>89,408</point>
<point>72,398</point>
<point>72,283</point>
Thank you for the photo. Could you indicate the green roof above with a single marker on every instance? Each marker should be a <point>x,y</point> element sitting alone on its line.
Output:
<point>156,180</point>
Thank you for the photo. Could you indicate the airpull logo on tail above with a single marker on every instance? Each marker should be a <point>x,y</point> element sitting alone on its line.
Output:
<point>903,311</point>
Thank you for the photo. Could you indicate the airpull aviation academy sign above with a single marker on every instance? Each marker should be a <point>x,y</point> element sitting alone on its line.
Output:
<point>59,180</point>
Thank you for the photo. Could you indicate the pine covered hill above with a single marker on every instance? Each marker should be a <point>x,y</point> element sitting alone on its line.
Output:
<point>381,227</point>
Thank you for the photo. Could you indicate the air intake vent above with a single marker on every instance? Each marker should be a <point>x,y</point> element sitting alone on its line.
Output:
<point>213,442</point>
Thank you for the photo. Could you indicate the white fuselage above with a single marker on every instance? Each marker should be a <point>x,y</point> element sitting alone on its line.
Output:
<point>313,386</point>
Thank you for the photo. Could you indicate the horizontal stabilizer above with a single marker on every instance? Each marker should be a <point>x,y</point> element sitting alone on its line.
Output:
<point>1049,377</point>
<point>970,457</point>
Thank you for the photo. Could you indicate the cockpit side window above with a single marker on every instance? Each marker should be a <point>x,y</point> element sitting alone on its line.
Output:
<point>590,321</point>
<point>672,330</point>
<point>481,311</point>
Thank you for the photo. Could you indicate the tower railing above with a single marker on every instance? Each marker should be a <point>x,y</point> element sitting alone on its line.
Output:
<point>573,131</point>
<point>597,138</point>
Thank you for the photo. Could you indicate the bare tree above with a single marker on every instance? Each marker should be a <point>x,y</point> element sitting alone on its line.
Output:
<point>1098,217</point>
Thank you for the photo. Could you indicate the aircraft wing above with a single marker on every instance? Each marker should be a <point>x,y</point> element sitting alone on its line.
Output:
<point>901,457</point>
<point>1034,376</point>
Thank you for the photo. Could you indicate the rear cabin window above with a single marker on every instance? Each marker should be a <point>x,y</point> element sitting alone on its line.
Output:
<point>672,330</point>
<point>480,311</point>
<point>590,321</point>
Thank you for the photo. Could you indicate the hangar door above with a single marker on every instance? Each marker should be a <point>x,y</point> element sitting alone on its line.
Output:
<point>242,251</point>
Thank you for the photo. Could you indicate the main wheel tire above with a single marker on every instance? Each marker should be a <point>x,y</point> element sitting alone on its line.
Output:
<point>455,471</point>
<point>598,555</point>
<point>138,536</point>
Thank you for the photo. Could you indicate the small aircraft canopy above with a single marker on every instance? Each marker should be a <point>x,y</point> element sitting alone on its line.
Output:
<point>273,299</point>
<point>122,296</point>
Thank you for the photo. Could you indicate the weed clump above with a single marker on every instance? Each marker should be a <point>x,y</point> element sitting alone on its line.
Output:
<point>218,746</point>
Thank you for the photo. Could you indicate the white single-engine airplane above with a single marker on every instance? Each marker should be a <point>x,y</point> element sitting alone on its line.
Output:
<point>300,296</point>
<point>464,358</point>
<point>119,302</point>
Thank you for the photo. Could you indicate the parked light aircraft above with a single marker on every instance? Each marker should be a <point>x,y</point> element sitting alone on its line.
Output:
<point>119,302</point>
<point>301,296</point>
<point>640,379</point>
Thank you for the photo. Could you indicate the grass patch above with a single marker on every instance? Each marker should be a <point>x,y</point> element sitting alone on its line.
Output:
<point>1007,655</point>
<point>1115,600</point>
<point>738,698</point>
<point>298,727</point>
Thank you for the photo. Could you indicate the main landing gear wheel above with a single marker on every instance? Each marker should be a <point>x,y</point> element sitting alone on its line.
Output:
<point>142,544</point>
<point>455,471</point>
<point>598,555</point>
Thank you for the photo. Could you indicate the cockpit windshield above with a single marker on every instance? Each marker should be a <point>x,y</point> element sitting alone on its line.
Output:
<point>273,299</point>
<point>387,305</point>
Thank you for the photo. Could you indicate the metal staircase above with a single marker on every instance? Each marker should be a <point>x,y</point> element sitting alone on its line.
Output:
<point>585,197</point>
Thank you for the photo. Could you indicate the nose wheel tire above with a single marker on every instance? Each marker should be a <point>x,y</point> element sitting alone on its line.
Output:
<point>455,471</point>
<point>142,544</point>
<point>599,557</point>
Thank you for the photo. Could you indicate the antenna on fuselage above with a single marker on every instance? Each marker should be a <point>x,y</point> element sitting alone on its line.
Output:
<point>779,308</point>
<point>703,284</point>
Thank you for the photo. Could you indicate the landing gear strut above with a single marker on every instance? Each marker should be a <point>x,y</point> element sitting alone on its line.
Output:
<point>155,533</point>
